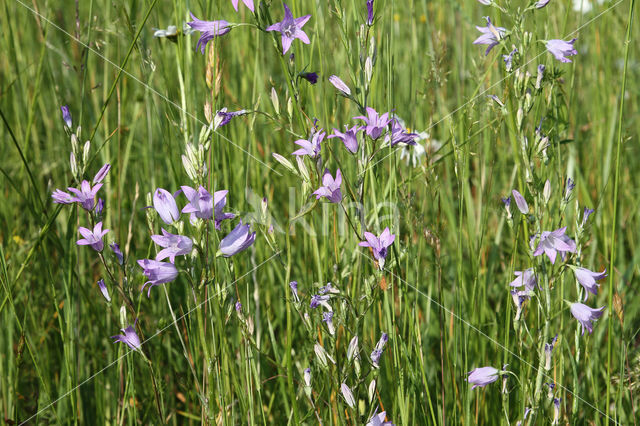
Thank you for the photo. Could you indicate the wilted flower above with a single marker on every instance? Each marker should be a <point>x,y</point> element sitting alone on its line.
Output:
<point>375,123</point>
<point>587,279</point>
<point>66,116</point>
<point>200,202</point>
<point>551,386</point>
<point>223,117</point>
<point>519,297</point>
<point>491,35</point>
<point>553,242</point>
<point>208,30</point>
<point>130,337</point>
<point>86,195</point>
<point>102,173</point>
<point>174,245</point>
<point>92,238</point>
<point>348,396</point>
<point>377,351</point>
<point>307,377</point>
<point>248,3</point>
<point>585,315</point>
<point>290,29</point>
<point>540,76</point>
<point>349,138</point>
<point>157,272</point>
<point>329,288</point>
<point>239,239</point>
<point>548,350</point>
<point>310,147</point>
<point>104,290</point>
<point>330,188</point>
<point>399,134</point>
<point>526,278</point>
<point>340,85</point>
<point>165,204</point>
<point>482,376</point>
<point>116,250</point>
<point>561,49</point>
<point>556,411</point>
<point>508,59</point>
<point>311,77</point>
<point>520,202</point>
<point>378,245</point>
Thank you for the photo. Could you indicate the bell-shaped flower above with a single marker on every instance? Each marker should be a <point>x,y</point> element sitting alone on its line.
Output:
<point>553,242</point>
<point>379,419</point>
<point>375,123</point>
<point>165,204</point>
<point>521,203</point>
<point>239,239</point>
<point>340,85</point>
<point>310,147</point>
<point>491,35</point>
<point>174,245</point>
<point>561,49</point>
<point>587,279</point>
<point>130,337</point>
<point>378,245</point>
<point>208,30</point>
<point>86,195</point>
<point>349,138</point>
<point>157,272</point>
<point>92,238</point>
<point>104,290</point>
<point>248,3</point>
<point>219,203</point>
<point>483,376</point>
<point>585,315</point>
<point>330,188</point>
<point>400,135</point>
<point>200,202</point>
<point>526,278</point>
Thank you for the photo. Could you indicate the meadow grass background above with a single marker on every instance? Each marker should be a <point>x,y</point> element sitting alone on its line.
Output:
<point>447,307</point>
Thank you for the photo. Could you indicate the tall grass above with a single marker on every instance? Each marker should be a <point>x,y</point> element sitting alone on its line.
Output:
<point>442,296</point>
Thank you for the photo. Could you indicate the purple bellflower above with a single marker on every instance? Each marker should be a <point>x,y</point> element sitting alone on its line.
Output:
<point>349,138</point>
<point>115,248</point>
<point>585,315</point>
<point>224,117</point>
<point>327,317</point>
<point>585,215</point>
<point>92,238</point>
<point>317,300</point>
<point>482,376</point>
<point>219,203</point>
<point>174,245</point>
<point>399,134</point>
<point>291,29</point>
<point>379,419</point>
<point>378,245</point>
<point>526,278</point>
<point>239,239</point>
<point>311,77</point>
<point>200,202</point>
<point>375,123</point>
<point>157,272</point>
<point>130,337</point>
<point>521,203</point>
<point>340,85</point>
<point>310,147</point>
<point>86,195</point>
<point>508,59</point>
<point>208,30</point>
<point>102,173</point>
<point>548,350</point>
<point>99,206</point>
<point>66,116</point>
<point>561,49</point>
<point>104,290</point>
<point>553,242</point>
<point>165,204</point>
<point>369,12</point>
<point>61,197</point>
<point>491,35</point>
<point>587,279</point>
<point>330,188</point>
<point>248,3</point>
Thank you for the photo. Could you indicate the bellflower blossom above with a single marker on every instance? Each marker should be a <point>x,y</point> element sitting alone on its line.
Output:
<point>130,337</point>
<point>219,203</point>
<point>482,376</point>
<point>248,3</point>
<point>378,245</point>
<point>291,29</point>
<point>399,134</point>
<point>311,77</point>
<point>317,300</point>
<point>208,30</point>
<point>86,195</point>
<point>587,279</point>
<point>239,239</point>
<point>548,350</point>
<point>92,238</point>
<point>375,123</point>
<point>102,173</point>
<point>61,197</point>
<point>491,35</point>
<point>521,203</point>
<point>99,206</point>
<point>223,117</point>
<point>561,49</point>
<point>369,12</point>
<point>200,202</point>
<point>379,419</point>
<point>165,204</point>
<point>349,138</point>
<point>174,245</point>
<point>585,215</point>
<point>104,290</point>
<point>310,147</point>
<point>526,278</point>
<point>328,318</point>
<point>115,248</point>
<point>66,116</point>
<point>157,272</point>
<point>553,242</point>
<point>377,351</point>
<point>519,297</point>
<point>585,315</point>
<point>340,85</point>
<point>330,188</point>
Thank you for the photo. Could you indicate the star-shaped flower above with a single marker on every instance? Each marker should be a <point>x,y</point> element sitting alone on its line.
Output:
<point>290,28</point>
